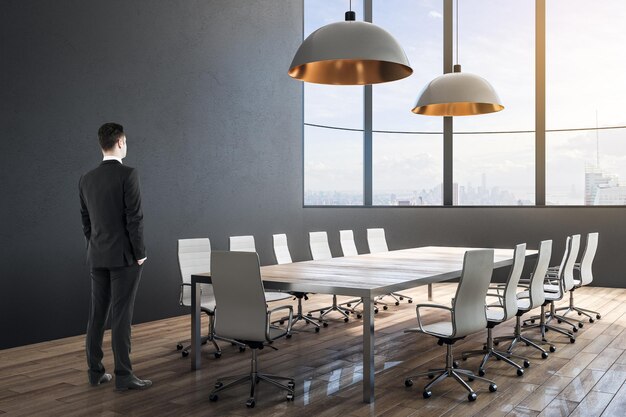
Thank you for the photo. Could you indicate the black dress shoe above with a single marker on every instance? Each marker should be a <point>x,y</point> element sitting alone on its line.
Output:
<point>132,382</point>
<point>104,378</point>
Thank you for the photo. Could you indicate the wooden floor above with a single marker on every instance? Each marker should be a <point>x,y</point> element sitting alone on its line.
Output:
<point>581,379</point>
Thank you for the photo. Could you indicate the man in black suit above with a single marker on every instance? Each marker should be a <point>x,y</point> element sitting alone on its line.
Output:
<point>110,205</point>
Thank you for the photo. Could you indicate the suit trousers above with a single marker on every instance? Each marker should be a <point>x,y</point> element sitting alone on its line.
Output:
<point>113,292</point>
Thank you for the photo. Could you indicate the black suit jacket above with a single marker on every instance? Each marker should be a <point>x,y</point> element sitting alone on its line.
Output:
<point>110,205</point>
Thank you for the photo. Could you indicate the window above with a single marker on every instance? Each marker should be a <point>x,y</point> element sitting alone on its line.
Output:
<point>585,91</point>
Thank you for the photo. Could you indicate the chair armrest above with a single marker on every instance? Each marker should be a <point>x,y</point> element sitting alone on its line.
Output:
<point>269,318</point>
<point>180,296</point>
<point>439,306</point>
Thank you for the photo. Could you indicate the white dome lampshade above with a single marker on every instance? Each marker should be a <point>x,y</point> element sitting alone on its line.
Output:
<point>457,94</point>
<point>350,53</point>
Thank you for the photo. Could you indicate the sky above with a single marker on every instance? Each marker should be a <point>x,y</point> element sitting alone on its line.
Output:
<point>496,41</point>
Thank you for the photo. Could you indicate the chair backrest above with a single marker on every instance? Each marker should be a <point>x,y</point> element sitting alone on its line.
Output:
<point>241,310</point>
<point>194,256</point>
<point>318,243</point>
<point>241,244</point>
<point>281,250</point>
<point>376,240</point>
<point>510,289</point>
<point>469,302</point>
<point>536,294</point>
<point>346,238</point>
<point>586,276</point>
<point>567,273</point>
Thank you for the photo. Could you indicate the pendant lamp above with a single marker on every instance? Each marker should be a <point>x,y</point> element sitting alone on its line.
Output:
<point>457,93</point>
<point>350,53</point>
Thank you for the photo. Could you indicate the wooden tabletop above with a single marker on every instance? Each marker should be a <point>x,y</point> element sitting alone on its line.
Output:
<point>374,274</point>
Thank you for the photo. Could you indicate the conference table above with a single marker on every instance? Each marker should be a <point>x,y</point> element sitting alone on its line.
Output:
<point>363,276</point>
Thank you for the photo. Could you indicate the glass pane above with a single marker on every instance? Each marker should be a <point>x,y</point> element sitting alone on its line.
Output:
<point>584,89</point>
<point>333,167</point>
<point>418,26</point>
<point>331,105</point>
<point>407,169</point>
<point>572,173</point>
<point>497,42</point>
<point>494,169</point>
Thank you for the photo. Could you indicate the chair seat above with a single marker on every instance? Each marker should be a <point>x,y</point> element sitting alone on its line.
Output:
<point>206,301</point>
<point>523,303</point>
<point>551,288</point>
<point>276,295</point>
<point>495,314</point>
<point>442,329</point>
<point>550,296</point>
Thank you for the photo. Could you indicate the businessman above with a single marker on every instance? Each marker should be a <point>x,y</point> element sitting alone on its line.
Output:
<point>110,205</point>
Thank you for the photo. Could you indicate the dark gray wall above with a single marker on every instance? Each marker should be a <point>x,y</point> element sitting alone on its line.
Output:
<point>214,126</point>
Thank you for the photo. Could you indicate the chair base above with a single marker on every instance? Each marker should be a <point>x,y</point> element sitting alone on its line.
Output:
<point>300,316</point>
<point>544,326</point>
<point>449,371</point>
<point>490,352</point>
<point>581,311</point>
<point>357,302</point>
<point>397,297</point>
<point>254,377</point>
<point>518,337</point>
<point>345,312</point>
<point>211,337</point>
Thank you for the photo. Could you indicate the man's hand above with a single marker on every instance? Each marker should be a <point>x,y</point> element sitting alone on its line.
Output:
<point>141,261</point>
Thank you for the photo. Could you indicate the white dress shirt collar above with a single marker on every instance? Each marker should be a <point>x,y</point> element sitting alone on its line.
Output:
<point>110,158</point>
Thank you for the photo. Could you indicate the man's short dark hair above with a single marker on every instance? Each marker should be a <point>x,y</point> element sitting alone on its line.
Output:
<point>109,134</point>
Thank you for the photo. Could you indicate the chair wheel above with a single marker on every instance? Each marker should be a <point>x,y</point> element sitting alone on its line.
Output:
<point>345,319</point>
<point>281,322</point>
<point>493,387</point>
<point>484,347</point>
<point>532,321</point>
<point>427,394</point>
<point>291,385</point>
<point>325,324</point>
<point>572,340</point>
<point>408,382</point>
<point>547,330</point>
<point>526,364</point>
<point>185,353</point>
<point>213,397</point>
<point>580,314</point>
<point>288,336</point>
<point>242,348</point>
<point>496,343</point>
<point>401,298</point>
<point>591,320</point>
<point>410,301</point>
<point>455,364</point>
<point>179,347</point>
<point>559,321</point>
<point>309,315</point>
<point>349,305</point>
<point>385,307</point>
<point>217,355</point>
<point>250,403</point>
<point>397,303</point>
<point>580,325</point>
<point>358,316</point>
<point>290,397</point>
<point>321,313</point>
<point>552,348</point>
<point>431,376</point>
<point>598,316</point>
<point>470,378</point>
<point>375,311</point>
<point>574,329</point>
<point>218,384</point>
<point>317,329</point>
<point>520,372</point>
<point>544,355</point>
<point>471,396</point>
<point>481,372</point>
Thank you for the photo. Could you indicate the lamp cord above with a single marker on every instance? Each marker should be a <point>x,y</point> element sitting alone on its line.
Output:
<point>457,31</point>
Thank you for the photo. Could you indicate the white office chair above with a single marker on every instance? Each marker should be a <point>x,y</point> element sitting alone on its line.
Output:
<point>320,250</point>
<point>377,243</point>
<point>194,256</point>
<point>467,316</point>
<point>586,277</point>
<point>530,299</point>
<point>283,256</point>
<point>242,315</point>
<point>499,312</point>
<point>559,283</point>
<point>348,247</point>
<point>246,244</point>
